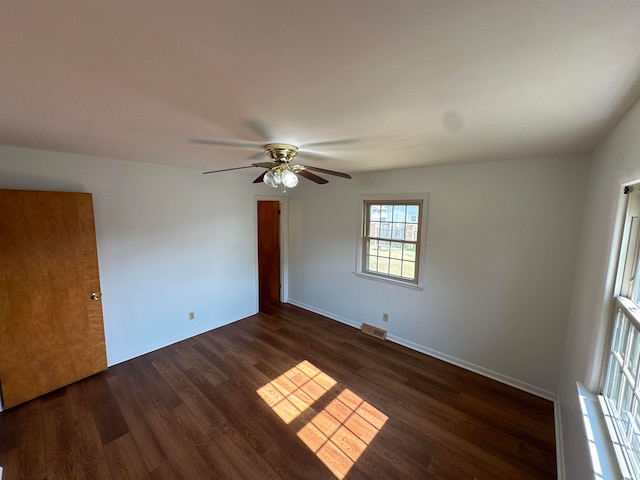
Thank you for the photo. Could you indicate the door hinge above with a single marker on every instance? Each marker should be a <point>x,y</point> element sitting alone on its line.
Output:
<point>278,211</point>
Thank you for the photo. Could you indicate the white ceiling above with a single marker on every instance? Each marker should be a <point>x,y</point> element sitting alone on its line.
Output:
<point>414,82</point>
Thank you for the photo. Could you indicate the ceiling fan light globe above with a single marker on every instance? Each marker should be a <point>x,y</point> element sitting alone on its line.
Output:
<point>289,179</point>
<point>272,179</point>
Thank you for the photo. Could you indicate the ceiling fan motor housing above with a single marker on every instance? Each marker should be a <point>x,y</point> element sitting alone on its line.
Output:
<point>281,152</point>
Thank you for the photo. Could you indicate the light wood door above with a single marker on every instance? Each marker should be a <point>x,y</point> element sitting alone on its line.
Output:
<point>269,255</point>
<point>51,330</point>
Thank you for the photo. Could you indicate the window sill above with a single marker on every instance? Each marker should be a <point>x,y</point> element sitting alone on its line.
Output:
<point>400,283</point>
<point>601,448</point>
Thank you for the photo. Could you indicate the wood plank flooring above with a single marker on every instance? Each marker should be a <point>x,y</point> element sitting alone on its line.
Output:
<point>288,395</point>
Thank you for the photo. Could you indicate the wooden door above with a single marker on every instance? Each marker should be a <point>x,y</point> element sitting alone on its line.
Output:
<point>51,330</point>
<point>269,255</point>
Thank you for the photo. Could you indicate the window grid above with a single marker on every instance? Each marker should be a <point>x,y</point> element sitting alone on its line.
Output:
<point>622,392</point>
<point>391,239</point>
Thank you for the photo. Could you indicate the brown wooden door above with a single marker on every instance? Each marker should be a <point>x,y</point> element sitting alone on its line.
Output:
<point>51,331</point>
<point>269,255</point>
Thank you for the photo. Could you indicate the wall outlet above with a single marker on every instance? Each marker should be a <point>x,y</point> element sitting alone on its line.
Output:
<point>192,315</point>
<point>385,317</point>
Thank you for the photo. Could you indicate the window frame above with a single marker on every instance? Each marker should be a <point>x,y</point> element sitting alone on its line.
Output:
<point>393,199</point>
<point>615,374</point>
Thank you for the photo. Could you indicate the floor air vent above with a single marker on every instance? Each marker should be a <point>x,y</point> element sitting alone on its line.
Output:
<point>374,331</point>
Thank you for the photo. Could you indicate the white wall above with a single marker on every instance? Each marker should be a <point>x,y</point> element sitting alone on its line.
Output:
<point>615,162</point>
<point>500,258</point>
<point>170,241</point>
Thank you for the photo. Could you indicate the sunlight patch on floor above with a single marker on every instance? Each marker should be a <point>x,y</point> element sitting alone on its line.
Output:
<point>296,390</point>
<point>340,433</point>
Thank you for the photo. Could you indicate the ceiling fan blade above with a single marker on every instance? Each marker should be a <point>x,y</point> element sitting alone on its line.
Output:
<point>260,129</point>
<point>346,141</point>
<point>314,155</point>
<point>225,143</point>
<point>227,169</point>
<point>261,177</point>
<point>312,176</point>
<point>328,172</point>
<point>264,165</point>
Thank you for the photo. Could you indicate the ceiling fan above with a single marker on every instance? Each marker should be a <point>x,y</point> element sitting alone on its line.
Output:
<point>279,170</point>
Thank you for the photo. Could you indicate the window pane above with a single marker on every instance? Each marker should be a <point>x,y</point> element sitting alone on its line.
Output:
<point>621,344</point>
<point>412,213</point>
<point>634,353</point>
<point>384,248</point>
<point>635,445</point>
<point>411,232</point>
<point>398,231</point>
<point>615,378</point>
<point>408,270</point>
<point>395,267</point>
<point>386,213</point>
<point>374,212</point>
<point>617,332</point>
<point>372,262</point>
<point>399,213</point>
<point>409,252</point>
<point>373,247</point>
<point>383,265</point>
<point>627,397</point>
<point>630,283</point>
<point>396,250</point>
<point>374,229</point>
<point>385,230</point>
<point>625,407</point>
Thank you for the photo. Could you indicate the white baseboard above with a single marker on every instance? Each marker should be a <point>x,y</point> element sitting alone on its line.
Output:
<point>557,419</point>
<point>485,372</point>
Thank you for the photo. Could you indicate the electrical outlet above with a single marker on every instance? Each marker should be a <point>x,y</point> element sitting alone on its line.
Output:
<point>192,315</point>
<point>385,317</point>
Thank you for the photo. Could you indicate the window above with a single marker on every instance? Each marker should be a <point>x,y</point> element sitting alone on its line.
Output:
<point>620,398</point>
<point>391,237</point>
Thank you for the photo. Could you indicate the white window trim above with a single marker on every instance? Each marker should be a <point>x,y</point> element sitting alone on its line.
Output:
<point>602,450</point>
<point>396,197</point>
<point>611,449</point>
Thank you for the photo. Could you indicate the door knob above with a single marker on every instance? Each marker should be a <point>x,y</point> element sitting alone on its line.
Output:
<point>95,296</point>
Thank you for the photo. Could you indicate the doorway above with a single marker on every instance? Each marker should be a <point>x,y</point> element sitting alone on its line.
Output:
<point>271,238</point>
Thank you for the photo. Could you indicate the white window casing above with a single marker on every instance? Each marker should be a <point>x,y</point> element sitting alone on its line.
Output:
<point>401,249</point>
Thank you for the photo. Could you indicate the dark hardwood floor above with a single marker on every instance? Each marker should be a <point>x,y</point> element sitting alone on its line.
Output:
<point>290,395</point>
